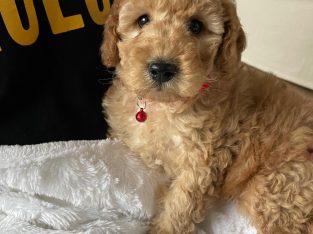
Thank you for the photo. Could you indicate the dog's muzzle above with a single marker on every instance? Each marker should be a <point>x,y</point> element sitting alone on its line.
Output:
<point>162,72</point>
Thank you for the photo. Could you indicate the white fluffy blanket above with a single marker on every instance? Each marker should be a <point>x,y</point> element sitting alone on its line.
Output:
<point>86,187</point>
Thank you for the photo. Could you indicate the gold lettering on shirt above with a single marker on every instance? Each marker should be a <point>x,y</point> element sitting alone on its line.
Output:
<point>96,14</point>
<point>59,23</point>
<point>13,23</point>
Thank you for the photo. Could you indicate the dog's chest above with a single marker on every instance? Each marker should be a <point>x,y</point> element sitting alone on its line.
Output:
<point>157,140</point>
<point>158,143</point>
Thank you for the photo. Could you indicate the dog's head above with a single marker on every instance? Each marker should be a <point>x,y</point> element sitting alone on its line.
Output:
<point>166,49</point>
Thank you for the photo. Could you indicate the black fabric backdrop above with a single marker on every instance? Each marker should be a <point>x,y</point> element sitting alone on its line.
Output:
<point>52,90</point>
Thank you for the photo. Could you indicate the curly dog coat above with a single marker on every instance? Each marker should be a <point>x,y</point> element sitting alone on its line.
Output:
<point>218,128</point>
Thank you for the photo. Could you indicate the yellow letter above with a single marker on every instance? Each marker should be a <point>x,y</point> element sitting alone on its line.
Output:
<point>13,23</point>
<point>98,16</point>
<point>59,23</point>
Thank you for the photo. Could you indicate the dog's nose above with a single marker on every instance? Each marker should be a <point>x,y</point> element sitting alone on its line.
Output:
<point>162,72</point>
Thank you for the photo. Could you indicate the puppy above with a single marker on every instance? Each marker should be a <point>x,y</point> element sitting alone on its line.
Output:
<point>183,100</point>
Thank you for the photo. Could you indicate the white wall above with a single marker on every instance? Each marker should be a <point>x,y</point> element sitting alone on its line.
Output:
<point>280,37</point>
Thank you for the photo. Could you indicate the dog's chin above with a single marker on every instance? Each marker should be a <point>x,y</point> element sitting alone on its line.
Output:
<point>158,95</point>
<point>161,96</point>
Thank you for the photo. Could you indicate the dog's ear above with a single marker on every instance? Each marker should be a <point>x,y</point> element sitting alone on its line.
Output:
<point>109,51</point>
<point>234,40</point>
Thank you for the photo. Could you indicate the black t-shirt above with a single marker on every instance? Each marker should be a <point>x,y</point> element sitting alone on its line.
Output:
<point>51,77</point>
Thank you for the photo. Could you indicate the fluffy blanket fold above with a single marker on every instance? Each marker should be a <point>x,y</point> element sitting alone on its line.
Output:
<point>86,187</point>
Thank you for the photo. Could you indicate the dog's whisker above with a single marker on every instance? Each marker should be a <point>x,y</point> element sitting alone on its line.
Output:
<point>105,81</point>
<point>107,70</point>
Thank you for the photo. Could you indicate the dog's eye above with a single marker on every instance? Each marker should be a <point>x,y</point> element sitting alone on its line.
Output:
<point>142,20</point>
<point>195,26</point>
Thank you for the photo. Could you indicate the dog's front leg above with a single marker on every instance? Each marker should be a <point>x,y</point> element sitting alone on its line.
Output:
<point>185,203</point>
